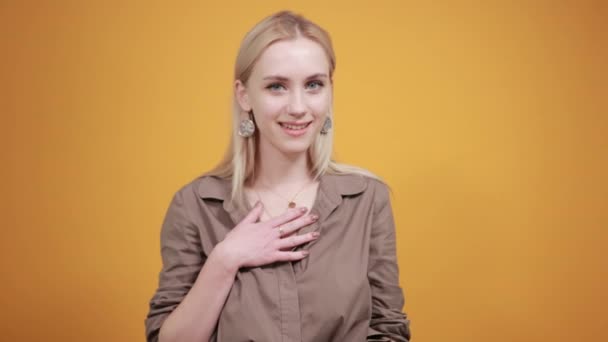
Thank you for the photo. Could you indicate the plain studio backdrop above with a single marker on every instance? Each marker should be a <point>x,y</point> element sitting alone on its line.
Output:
<point>489,120</point>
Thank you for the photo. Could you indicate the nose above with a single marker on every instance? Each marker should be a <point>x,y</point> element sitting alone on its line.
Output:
<point>296,106</point>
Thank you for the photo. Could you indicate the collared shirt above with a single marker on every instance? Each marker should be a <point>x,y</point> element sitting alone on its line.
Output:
<point>347,289</point>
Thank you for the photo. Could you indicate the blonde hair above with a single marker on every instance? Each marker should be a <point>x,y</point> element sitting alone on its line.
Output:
<point>238,163</point>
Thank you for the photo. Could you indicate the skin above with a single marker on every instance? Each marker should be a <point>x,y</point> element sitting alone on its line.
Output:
<point>282,164</point>
<point>303,94</point>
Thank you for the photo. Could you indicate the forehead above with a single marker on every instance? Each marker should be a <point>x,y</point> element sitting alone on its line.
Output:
<point>300,57</point>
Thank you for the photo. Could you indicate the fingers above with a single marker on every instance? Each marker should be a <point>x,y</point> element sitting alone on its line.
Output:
<point>254,215</point>
<point>287,216</point>
<point>292,226</point>
<point>292,256</point>
<point>296,240</point>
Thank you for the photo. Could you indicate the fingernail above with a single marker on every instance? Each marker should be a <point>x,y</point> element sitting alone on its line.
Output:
<point>303,209</point>
<point>305,253</point>
<point>315,234</point>
<point>314,217</point>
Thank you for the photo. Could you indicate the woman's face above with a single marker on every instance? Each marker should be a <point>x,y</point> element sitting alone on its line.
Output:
<point>290,93</point>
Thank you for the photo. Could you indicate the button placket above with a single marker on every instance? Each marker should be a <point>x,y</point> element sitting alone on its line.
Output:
<point>289,303</point>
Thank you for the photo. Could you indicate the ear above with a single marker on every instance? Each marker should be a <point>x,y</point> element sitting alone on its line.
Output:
<point>240,93</point>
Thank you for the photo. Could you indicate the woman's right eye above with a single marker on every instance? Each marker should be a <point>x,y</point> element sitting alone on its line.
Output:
<point>275,86</point>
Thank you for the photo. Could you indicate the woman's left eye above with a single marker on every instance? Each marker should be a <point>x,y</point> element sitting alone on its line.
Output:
<point>315,84</point>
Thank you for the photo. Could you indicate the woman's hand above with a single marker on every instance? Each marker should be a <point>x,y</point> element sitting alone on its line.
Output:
<point>252,243</point>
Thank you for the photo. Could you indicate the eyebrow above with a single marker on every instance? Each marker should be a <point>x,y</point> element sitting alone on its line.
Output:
<point>284,79</point>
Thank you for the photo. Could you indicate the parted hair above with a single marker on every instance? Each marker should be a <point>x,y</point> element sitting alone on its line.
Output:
<point>239,160</point>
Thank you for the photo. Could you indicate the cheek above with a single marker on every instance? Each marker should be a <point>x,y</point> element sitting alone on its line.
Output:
<point>320,104</point>
<point>269,106</point>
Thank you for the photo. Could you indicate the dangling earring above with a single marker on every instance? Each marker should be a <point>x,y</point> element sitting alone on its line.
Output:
<point>326,126</point>
<point>246,127</point>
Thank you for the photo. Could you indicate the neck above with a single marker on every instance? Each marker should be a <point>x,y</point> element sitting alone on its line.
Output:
<point>279,170</point>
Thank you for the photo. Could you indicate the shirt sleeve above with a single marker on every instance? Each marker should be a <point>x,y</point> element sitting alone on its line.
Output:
<point>182,259</point>
<point>388,322</point>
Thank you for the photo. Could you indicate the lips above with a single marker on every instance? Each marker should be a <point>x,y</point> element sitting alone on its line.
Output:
<point>295,129</point>
<point>294,126</point>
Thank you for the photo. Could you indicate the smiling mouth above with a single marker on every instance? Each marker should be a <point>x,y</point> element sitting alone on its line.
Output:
<point>294,127</point>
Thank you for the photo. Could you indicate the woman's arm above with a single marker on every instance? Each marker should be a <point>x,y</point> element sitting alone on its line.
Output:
<point>195,317</point>
<point>192,287</point>
<point>388,322</point>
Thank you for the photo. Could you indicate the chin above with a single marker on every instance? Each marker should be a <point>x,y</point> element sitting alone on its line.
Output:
<point>295,147</point>
<point>295,150</point>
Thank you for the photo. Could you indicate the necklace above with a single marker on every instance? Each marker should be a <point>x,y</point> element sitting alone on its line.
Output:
<point>290,202</point>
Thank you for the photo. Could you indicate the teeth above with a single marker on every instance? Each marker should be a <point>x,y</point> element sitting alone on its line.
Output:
<point>294,127</point>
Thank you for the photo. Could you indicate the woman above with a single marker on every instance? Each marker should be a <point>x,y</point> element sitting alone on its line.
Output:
<point>280,243</point>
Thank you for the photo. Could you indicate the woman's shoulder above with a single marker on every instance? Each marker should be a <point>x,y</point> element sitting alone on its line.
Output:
<point>356,179</point>
<point>205,186</point>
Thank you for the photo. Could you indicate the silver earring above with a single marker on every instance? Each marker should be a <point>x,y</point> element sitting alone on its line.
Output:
<point>326,126</point>
<point>246,128</point>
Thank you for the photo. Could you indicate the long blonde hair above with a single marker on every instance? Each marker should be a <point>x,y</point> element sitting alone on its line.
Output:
<point>238,163</point>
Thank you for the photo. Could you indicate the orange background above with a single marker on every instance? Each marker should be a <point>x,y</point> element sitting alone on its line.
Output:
<point>489,120</point>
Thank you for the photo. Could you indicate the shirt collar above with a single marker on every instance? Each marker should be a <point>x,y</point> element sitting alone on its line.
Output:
<point>333,185</point>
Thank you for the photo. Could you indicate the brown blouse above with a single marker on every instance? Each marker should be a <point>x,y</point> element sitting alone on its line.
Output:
<point>347,289</point>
